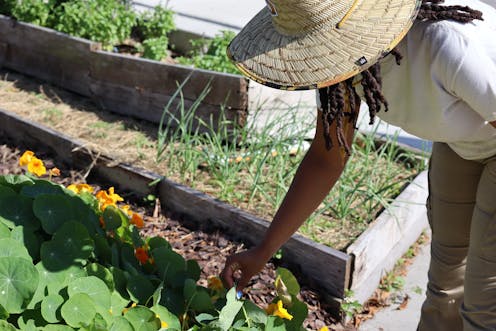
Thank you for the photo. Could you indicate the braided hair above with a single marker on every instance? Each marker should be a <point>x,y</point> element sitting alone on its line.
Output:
<point>333,98</point>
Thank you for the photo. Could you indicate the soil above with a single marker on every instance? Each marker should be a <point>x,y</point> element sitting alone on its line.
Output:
<point>208,247</point>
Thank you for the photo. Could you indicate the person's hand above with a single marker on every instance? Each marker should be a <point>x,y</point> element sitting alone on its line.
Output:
<point>241,267</point>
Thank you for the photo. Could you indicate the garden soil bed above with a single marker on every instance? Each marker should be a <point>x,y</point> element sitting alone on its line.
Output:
<point>207,246</point>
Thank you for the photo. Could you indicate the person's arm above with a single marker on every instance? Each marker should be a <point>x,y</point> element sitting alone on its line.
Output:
<point>315,177</point>
<point>493,123</point>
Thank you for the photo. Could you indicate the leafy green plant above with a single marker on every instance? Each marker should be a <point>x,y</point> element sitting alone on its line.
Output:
<point>74,260</point>
<point>31,11</point>
<point>153,27</point>
<point>106,21</point>
<point>211,54</point>
<point>349,307</point>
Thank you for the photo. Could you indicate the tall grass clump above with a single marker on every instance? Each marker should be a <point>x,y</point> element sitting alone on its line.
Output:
<point>252,167</point>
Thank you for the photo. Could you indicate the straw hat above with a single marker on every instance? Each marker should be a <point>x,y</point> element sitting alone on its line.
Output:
<point>308,44</point>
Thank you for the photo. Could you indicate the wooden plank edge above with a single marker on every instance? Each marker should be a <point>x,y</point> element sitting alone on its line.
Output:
<point>378,248</point>
<point>184,200</point>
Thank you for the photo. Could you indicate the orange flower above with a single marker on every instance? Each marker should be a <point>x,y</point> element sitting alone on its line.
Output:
<point>137,220</point>
<point>215,283</point>
<point>54,172</point>
<point>79,188</point>
<point>36,166</point>
<point>127,210</point>
<point>108,198</point>
<point>25,158</point>
<point>277,309</point>
<point>141,254</point>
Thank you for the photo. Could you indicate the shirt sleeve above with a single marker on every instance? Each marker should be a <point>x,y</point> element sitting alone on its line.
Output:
<point>466,69</point>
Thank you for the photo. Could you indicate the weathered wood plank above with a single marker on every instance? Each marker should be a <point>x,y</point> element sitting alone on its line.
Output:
<point>163,78</point>
<point>388,238</point>
<point>327,268</point>
<point>46,54</point>
<point>143,104</point>
<point>3,53</point>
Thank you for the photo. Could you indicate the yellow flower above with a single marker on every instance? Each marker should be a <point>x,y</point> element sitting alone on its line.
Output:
<point>79,188</point>
<point>127,210</point>
<point>137,220</point>
<point>108,198</point>
<point>163,324</point>
<point>25,158</point>
<point>36,166</point>
<point>125,310</point>
<point>324,328</point>
<point>277,309</point>
<point>214,283</point>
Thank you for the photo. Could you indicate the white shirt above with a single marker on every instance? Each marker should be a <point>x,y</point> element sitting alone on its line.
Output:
<point>445,88</point>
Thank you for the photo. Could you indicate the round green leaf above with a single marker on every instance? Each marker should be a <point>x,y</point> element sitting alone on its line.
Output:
<point>4,231</point>
<point>193,269</point>
<point>140,288</point>
<point>121,324</point>
<point>53,211</point>
<point>4,314</point>
<point>50,306</point>
<point>70,245</point>
<point>79,310</point>
<point>99,271</point>
<point>18,282</point>
<point>94,287</point>
<point>15,182</point>
<point>28,238</point>
<point>6,326</point>
<point>17,210</point>
<point>165,315</point>
<point>117,303</point>
<point>57,327</point>
<point>41,187</point>
<point>113,218</point>
<point>12,248</point>
<point>289,280</point>
<point>142,319</point>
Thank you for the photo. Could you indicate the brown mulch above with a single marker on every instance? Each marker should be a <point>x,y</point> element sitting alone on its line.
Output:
<point>209,247</point>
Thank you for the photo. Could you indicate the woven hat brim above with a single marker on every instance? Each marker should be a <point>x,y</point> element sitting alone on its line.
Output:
<point>325,56</point>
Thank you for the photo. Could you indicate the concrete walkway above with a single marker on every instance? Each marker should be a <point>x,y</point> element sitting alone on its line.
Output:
<point>208,18</point>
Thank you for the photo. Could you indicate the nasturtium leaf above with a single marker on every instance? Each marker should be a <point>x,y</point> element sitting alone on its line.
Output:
<point>50,307</point>
<point>193,270</point>
<point>255,313</point>
<point>17,210</point>
<point>173,300</point>
<point>94,287</point>
<point>140,288</point>
<point>98,323</point>
<point>165,315</point>
<point>117,303</point>
<point>78,310</point>
<point>121,324</point>
<point>57,327</point>
<point>70,245</point>
<point>18,282</point>
<point>103,251</point>
<point>201,301</point>
<point>156,242</point>
<point>53,211</point>
<point>120,281</point>
<point>6,326</point>
<point>299,311</point>
<point>275,323</point>
<point>86,215</point>
<point>4,231</point>
<point>204,317</point>
<point>289,280</point>
<point>99,271</point>
<point>4,314</point>
<point>168,263</point>
<point>41,187</point>
<point>142,319</point>
<point>15,182</point>
<point>28,238</point>
<point>230,310</point>
<point>113,218</point>
<point>189,289</point>
<point>12,248</point>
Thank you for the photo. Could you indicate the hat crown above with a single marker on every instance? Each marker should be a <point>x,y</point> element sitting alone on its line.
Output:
<point>296,17</point>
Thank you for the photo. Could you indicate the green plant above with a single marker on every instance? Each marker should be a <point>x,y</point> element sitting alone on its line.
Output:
<point>153,27</point>
<point>74,260</point>
<point>106,21</point>
<point>155,48</point>
<point>211,54</point>
<point>349,306</point>
<point>31,11</point>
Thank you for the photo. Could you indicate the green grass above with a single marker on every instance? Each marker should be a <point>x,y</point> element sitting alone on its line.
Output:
<point>252,168</point>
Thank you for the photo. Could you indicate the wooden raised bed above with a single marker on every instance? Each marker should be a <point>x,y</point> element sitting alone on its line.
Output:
<point>119,83</point>
<point>331,271</point>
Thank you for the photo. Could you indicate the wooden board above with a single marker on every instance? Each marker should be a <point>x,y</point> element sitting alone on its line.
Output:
<point>163,78</point>
<point>377,249</point>
<point>327,269</point>
<point>46,54</point>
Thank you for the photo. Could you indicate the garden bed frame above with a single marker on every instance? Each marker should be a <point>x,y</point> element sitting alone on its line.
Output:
<point>331,271</point>
<point>123,84</point>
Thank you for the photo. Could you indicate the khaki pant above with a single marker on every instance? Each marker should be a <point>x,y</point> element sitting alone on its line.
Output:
<point>461,292</point>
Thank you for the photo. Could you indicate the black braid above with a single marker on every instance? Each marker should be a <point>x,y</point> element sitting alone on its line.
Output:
<point>332,98</point>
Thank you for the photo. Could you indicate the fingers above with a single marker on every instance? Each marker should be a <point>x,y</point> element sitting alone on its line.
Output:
<point>227,273</point>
